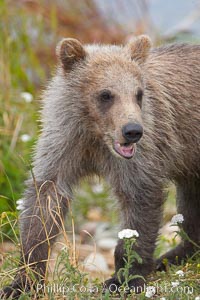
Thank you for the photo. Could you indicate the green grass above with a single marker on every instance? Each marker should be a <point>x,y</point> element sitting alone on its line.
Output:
<point>16,116</point>
<point>68,278</point>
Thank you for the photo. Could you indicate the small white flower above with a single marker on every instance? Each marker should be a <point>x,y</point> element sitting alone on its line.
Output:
<point>127,233</point>
<point>27,97</point>
<point>97,188</point>
<point>150,291</point>
<point>175,283</point>
<point>177,219</point>
<point>162,298</point>
<point>25,137</point>
<point>20,204</point>
<point>197,298</point>
<point>180,273</point>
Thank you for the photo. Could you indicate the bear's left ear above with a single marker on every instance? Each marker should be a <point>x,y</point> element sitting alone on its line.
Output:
<point>70,51</point>
<point>139,48</point>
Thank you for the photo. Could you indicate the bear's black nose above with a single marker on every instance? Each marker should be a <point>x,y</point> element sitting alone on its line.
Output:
<point>132,132</point>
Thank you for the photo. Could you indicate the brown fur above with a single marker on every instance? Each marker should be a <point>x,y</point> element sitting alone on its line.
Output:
<point>82,121</point>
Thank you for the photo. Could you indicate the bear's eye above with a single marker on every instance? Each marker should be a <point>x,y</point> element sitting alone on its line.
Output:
<point>105,96</point>
<point>139,96</point>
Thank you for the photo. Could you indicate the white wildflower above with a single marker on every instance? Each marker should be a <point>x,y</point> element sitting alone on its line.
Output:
<point>127,233</point>
<point>25,137</point>
<point>180,273</point>
<point>150,291</point>
<point>175,283</point>
<point>20,204</point>
<point>177,219</point>
<point>162,298</point>
<point>197,298</point>
<point>97,188</point>
<point>27,97</point>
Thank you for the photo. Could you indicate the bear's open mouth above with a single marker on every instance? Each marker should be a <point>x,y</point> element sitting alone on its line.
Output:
<point>126,150</point>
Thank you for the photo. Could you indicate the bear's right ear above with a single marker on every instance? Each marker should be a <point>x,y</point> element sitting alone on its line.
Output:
<point>139,47</point>
<point>69,51</point>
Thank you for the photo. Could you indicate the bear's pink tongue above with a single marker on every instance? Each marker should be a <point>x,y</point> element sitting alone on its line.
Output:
<point>126,151</point>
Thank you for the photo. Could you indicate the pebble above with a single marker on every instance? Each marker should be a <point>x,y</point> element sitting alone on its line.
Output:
<point>107,243</point>
<point>95,262</point>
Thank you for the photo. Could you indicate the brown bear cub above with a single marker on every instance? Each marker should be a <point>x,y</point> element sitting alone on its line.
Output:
<point>130,114</point>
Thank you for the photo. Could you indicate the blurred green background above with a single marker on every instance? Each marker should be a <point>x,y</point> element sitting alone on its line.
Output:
<point>29,32</point>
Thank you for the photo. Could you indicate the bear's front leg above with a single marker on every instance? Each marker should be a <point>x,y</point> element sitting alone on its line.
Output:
<point>40,222</point>
<point>141,208</point>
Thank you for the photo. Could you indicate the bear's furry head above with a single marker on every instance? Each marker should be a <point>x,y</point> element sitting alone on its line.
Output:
<point>105,83</point>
